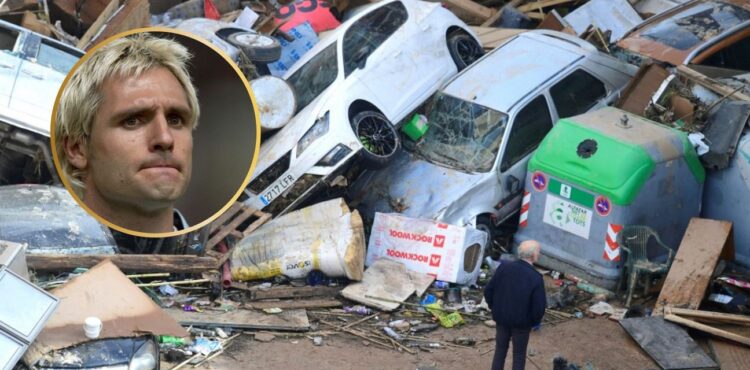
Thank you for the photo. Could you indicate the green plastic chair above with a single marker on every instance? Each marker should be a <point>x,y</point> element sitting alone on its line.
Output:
<point>634,240</point>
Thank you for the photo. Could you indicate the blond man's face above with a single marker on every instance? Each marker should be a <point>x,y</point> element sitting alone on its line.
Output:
<point>139,151</point>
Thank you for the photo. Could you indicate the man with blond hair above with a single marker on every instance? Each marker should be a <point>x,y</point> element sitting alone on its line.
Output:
<point>516,296</point>
<point>124,131</point>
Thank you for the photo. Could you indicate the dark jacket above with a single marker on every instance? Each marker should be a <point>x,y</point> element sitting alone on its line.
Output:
<point>516,295</point>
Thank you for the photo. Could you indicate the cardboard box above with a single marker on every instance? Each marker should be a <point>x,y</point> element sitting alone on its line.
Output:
<point>448,252</point>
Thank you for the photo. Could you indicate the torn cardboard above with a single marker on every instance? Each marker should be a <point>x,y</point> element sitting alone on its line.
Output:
<point>389,280</point>
<point>104,292</point>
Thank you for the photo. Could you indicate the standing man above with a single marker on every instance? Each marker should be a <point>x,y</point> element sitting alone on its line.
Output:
<point>124,131</point>
<point>517,299</point>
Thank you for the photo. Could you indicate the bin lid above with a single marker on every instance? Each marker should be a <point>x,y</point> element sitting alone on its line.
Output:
<point>611,152</point>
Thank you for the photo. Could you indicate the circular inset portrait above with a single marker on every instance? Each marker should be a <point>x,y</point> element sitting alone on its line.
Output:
<point>155,132</point>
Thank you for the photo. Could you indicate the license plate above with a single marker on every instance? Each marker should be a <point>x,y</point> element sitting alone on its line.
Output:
<point>567,216</point>
<point>277,188</point>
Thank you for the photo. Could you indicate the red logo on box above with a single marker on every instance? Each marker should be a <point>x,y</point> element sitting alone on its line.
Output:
<point>442,226</point>
<point>439,241</point>
<point>435,260</point>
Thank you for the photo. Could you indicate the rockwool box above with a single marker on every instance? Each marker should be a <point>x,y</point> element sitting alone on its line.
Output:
<point>448,252</point>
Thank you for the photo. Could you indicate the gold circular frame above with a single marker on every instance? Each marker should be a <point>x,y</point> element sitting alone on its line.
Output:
<point>253,162</point>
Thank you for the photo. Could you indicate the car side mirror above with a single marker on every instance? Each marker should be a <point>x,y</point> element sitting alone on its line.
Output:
<point>513,185</point>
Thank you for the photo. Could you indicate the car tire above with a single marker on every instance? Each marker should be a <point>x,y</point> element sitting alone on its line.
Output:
<point>484,223</point>
<point>378,137</point>
<point>463,48</point>
<point>257,47</point>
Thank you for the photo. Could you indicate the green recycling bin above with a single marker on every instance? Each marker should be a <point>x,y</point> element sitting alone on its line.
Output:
<point>597,172</point>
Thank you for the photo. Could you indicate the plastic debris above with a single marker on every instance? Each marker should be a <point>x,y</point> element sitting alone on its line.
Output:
<point>318,341</point>
<point>447,320</point>
<point>358,309</point>
<point>428,299</point>
<point>168,339</point>
<point>205,346</point>
<point>274,310</point>
<point>391,333</point>
<point>168,290</point>
<point>190,308</point>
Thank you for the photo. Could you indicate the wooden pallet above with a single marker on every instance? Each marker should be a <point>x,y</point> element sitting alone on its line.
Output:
<point>229,223</point>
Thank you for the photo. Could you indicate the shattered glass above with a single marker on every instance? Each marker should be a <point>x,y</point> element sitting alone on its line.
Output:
<point>368,33</point>
<point>315,76</point>
<point>462,134</point>
<point>697,24</point>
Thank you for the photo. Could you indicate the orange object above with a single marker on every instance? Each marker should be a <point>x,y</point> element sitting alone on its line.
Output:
<point>316,12</point>
<point>210,10</point>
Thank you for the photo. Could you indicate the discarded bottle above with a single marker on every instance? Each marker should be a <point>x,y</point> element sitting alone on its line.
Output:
<point>358,309</point>
<point>392,333</point>
<point>168,339</point>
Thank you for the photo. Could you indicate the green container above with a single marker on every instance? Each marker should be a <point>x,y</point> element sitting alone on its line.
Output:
<point>416,127</point>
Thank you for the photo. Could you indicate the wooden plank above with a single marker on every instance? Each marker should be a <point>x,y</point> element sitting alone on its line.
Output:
<point>126,262</point>
<point>296,292</point>
<point>703,244</point>
<point>221,220</point>
<point>476,10</point>
<point>291,320</point>
<point>492,37</point>
<point>499,13</point>
<point>98,23</point>
<point>228,228</point>
<point>712,84</point>
<point>708,329</point>
<point>552,21</point>
<point>730,356</point>
<point>295,304</point>
<point>668,344</point>
<point>726,317</point>
<point>133,14</point>
<point>639,91</point>
<point>531,6</point>
<point>253,226</point>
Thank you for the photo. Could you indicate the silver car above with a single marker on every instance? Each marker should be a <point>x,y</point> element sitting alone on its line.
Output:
<point>483,125</point>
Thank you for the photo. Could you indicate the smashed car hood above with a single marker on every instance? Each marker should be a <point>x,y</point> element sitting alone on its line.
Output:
<point>413,187</point>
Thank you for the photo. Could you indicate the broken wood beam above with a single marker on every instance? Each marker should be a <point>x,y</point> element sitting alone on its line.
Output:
<point>724,317</point>
<point>126,262</point>
<point>476,10</point>
<point>712,84</point>
<point>291,304</point>
<point>541,5</point>
<point>499,13</point>
<point>708,329</point>
<point>295,292</point>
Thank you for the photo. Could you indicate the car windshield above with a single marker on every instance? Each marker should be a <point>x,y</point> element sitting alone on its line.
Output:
<point>462,134</point>
<point>315,76</point>
<point>697,24</point>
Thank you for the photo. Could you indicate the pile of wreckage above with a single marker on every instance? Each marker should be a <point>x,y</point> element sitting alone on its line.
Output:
<point>613,132</point>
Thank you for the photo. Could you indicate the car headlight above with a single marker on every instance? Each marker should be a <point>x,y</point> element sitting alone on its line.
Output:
<point>318,129</point>
<point>145,357</point>
<point>334,156</point>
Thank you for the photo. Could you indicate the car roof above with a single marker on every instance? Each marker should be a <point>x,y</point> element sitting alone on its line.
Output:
<point>513,70</point>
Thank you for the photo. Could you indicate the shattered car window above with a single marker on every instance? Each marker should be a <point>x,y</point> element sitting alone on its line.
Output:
<point>697,24</point>
<point>48,220</point>
<point>462,134</point>
<point>57,59</point>
<point>315,76</point>
<point>363,37</point>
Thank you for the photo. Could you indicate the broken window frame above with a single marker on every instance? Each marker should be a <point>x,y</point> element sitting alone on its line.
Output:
<point>479,157</point>
<point>514,151</point>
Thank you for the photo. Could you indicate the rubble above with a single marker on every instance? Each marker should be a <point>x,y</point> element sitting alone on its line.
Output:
<point>291,287</point>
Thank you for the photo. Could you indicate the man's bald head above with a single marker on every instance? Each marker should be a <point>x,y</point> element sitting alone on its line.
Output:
<point>529,250</point>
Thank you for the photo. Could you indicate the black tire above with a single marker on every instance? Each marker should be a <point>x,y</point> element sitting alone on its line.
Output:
<point>463,48</point>
<point>257,47</point>
<point>379,138</point>
<point>484,223</point>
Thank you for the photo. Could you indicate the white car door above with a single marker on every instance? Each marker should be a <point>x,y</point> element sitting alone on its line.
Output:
<point>373,51</point>
<point>9,64</point>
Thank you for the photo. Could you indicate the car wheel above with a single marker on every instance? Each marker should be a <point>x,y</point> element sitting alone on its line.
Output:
<point>484,223</point>
<point>464,49</point>
<point>378,137</point>
<point>257,47</point>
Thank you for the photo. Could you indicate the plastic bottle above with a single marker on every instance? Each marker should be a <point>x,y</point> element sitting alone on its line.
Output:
<point>361,310</point>
<point>168,339</point>
<point>392,333</point>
